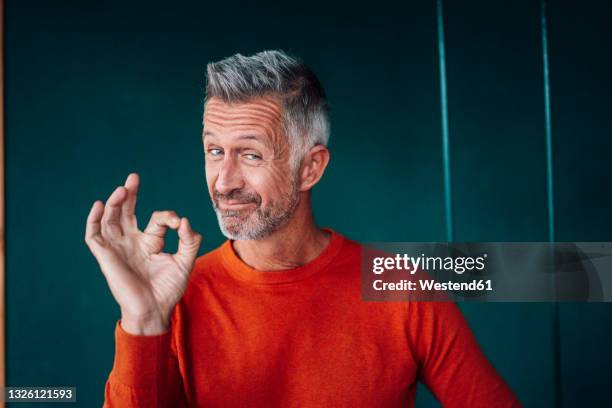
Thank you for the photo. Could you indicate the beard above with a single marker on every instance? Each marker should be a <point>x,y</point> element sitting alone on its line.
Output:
<point>257,223</point>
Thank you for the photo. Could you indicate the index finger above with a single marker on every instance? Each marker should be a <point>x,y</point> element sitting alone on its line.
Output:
<point>128,208</point>
<point>93,227</point>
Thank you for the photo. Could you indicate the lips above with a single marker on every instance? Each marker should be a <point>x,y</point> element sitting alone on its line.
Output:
<point>234,205</point>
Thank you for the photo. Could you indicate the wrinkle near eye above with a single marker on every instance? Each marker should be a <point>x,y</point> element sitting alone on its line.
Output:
<point>261,117</point>
<point>251,128</point>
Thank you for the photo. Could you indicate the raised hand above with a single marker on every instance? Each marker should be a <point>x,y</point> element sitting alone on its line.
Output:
<point>145,282</point>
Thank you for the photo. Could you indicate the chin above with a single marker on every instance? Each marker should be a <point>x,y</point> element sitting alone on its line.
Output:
<point>233,226</point>
<point>237,231</point>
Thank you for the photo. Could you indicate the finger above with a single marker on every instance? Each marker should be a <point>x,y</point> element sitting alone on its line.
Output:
<point>160,221</point>
<point>128,209</point>
<point>93,227</point>
<point>189,243</point>
<point>111,225</point>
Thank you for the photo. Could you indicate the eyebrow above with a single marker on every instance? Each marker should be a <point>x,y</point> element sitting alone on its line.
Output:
<point>248,137</point>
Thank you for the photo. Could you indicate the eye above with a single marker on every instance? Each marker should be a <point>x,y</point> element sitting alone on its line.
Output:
<point>215,152</point>
<point>252,156</point>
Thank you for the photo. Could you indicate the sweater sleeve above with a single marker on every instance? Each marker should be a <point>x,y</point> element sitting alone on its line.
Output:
<point>451,364</point>
<point>145,373</point>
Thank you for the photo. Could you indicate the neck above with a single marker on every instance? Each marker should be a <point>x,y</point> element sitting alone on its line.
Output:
<point>295,244</point>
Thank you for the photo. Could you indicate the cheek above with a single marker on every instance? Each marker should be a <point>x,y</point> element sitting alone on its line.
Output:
<point>211,175</point>
<point>270,184</point>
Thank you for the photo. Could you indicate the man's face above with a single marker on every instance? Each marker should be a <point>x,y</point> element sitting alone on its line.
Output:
<point>251,184</point>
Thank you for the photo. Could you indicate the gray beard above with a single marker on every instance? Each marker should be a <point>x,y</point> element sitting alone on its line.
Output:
<point>259,223</point>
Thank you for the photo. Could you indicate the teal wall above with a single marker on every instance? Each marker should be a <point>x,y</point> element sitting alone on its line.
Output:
<point>94,90</point>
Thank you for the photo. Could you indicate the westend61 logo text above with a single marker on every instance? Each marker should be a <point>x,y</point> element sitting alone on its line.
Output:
<point>428,263</point>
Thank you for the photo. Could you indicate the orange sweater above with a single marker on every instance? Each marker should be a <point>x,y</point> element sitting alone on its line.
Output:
<point>300,338</point>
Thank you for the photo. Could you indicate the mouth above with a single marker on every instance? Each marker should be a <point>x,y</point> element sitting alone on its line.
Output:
<point>234,206</point>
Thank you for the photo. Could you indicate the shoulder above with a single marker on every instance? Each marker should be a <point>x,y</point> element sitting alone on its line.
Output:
<point>207,269</point>
<point>347,244</point>
<point>351,245</point>
<point>350,249</point>
<point>210,261</point>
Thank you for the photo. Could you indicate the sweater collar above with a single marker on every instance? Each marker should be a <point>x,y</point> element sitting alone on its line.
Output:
<point>241,271</point>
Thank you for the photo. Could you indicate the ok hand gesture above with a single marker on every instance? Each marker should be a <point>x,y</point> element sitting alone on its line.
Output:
<point>146,282</point>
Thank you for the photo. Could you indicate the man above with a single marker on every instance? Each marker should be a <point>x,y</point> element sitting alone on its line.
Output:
<point>273,317</point>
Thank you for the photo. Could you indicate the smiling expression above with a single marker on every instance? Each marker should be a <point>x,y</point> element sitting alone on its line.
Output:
<point>253,188</point>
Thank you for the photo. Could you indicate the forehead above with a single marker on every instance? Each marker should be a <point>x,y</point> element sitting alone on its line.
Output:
<point>262,115</point>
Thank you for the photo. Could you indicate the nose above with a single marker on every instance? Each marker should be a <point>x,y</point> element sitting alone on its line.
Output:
<point>229,177</point>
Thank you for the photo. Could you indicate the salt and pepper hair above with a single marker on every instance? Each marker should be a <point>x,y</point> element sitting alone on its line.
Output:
<point>305,111</point>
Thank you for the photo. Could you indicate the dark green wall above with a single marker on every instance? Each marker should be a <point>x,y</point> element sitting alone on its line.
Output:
<point>94,90</point>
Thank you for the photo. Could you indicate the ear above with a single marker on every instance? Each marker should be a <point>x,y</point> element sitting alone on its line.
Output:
<point>313,167</point>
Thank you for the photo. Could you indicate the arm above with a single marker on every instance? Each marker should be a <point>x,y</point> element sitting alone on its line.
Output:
<point>451,363</point>
<point>147,284</point>
<point>145,372</point>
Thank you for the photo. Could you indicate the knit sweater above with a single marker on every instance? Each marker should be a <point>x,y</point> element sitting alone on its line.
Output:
<point>303,337</point>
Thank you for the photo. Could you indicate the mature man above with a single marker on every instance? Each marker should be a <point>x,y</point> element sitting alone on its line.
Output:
<point>274,316</point>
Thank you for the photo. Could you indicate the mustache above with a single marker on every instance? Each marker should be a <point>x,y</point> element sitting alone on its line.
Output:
<point>241,196</point>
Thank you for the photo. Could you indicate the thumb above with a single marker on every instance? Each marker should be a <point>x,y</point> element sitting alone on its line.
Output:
<point>189,243</point>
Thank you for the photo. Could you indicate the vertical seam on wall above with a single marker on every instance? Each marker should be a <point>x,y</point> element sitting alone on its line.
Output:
<point>549,154</point>
<point>556,323</point>
<point>448,199</point>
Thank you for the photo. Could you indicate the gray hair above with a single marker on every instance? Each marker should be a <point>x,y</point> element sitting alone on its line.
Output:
<point>305,111</point>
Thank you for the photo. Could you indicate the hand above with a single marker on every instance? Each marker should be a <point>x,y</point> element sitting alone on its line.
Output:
<point>145,282</point>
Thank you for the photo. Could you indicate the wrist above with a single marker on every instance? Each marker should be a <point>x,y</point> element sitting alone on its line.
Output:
<point>144,326</point>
